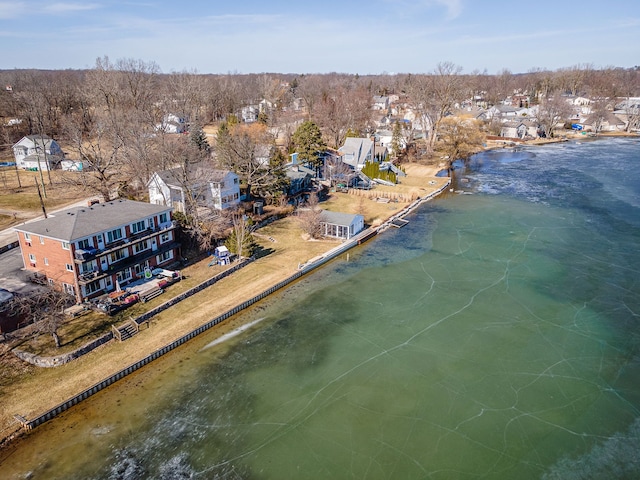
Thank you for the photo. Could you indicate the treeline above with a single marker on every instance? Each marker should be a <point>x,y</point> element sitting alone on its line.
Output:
<point>108,116</point>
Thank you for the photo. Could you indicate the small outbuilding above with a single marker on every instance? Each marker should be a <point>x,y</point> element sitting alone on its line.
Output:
<point>341,225</point>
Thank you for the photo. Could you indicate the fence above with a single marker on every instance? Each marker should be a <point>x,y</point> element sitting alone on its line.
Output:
<point>356,240</point>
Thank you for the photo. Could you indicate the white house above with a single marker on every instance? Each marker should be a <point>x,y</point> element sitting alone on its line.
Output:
<point>37,152</point>
<point>380,102</point>
<point>250,113</point>
<point>341,225</point>
<point>172,123</point>
<point>216,189</point>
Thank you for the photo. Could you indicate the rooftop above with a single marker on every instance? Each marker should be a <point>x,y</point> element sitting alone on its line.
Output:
<point>80,222</point>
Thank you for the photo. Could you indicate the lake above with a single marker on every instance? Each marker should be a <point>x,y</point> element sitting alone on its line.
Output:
<point>495,336</point>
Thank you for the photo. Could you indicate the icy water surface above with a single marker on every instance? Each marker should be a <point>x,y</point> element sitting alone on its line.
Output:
<point>495,336</point>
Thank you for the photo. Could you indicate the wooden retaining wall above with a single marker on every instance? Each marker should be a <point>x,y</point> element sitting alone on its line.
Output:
<point>356,240</point>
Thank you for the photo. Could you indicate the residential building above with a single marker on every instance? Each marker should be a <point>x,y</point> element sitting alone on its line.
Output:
<point>356,152</point>
<point>37,152</point>
<point>88,251</point>
<point>523,130</point>
<point>172,123</point>
<point>200,187</point>
<point>341,225</point>
<point>380,102</point>
<point>300,179</point>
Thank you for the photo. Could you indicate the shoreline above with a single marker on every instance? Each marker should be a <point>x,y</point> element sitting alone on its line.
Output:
<point>15,431</point>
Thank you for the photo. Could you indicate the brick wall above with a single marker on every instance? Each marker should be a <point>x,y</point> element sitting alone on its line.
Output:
<point>56,257</point>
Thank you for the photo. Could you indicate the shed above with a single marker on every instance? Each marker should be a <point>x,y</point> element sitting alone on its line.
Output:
<point>341,225</point>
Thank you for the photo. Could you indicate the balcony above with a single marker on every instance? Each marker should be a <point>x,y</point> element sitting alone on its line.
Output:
<point>88,277</point>
<point>83,255</point>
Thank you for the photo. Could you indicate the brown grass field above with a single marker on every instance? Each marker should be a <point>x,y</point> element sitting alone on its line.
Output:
<point>29,391</point>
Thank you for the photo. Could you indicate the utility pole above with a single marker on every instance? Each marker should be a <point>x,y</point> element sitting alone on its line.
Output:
<point>44,211</point>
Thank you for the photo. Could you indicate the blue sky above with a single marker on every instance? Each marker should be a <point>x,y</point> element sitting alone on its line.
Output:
<point>307,36</point>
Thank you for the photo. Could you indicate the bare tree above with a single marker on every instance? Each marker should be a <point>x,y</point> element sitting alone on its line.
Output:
<point>310,217</point>
<point>245,150</point>
<point>552,111</point>
<point>435,95</point>
<point>459,138</point>
<point>45,309</point>
<point>341,109</point>
<point>599,114</point>
<point>100,149</point>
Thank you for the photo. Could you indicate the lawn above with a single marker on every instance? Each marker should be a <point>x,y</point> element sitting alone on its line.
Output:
<point>29,391</point>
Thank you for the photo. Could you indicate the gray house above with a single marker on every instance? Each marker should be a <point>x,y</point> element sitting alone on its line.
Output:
<point>341,225</point>
<point>357,151</point>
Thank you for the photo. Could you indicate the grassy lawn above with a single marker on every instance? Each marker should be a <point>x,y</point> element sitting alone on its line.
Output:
<point>29,391</point>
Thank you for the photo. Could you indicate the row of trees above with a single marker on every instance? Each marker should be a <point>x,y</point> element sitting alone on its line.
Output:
<point>107,116</point>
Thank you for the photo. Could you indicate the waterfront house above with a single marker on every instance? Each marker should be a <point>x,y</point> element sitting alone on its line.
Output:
<point>356,152</point>
<point>202,187</point>
<point>89,251</point>
<point>341,225</point>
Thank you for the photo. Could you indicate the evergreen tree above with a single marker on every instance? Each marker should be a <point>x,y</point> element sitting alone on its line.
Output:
<point>199,138</point>
<point>309,144</point>
<point>396,140</point>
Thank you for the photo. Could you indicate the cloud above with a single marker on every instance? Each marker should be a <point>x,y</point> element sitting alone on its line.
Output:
<point>411,7</point>
<point>12,9</point>
<point>70,7</point>
<point>454,7</point>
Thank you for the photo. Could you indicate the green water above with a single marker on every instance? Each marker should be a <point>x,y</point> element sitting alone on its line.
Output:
<point>495,336</point>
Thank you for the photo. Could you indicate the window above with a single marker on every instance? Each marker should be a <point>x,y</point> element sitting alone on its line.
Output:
<point>84,244</point>
<point>69,267</point>
<point>88,267</point>
<point>92,287</point>
<point>139,269</point>
<point>46,261</point>
<point>165,237</point>
<point>114,235</point>
<point>27,237</point>
<point>138,226</point>
<point>51,282</point>
<point>41,240</point>
<point>65,245</point>
<point>117,255</point>
<point>163,257</point>
<point>163,218</point>
<point>124,275</point>
<point>69,289</point>
<point>32,258</point>
<point>235,181</point>
<point>141,246</point>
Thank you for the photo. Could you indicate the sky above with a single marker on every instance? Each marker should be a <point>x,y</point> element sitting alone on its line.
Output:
<point>308,36</point>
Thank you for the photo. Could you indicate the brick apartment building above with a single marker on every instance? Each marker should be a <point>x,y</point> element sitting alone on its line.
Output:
<point>84,251</point>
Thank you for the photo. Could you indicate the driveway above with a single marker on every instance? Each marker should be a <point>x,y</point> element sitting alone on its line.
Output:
<point>12,277</point>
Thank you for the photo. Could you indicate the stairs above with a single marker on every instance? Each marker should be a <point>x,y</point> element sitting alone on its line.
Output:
<point>151,293</point>
<point>126,331</point>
